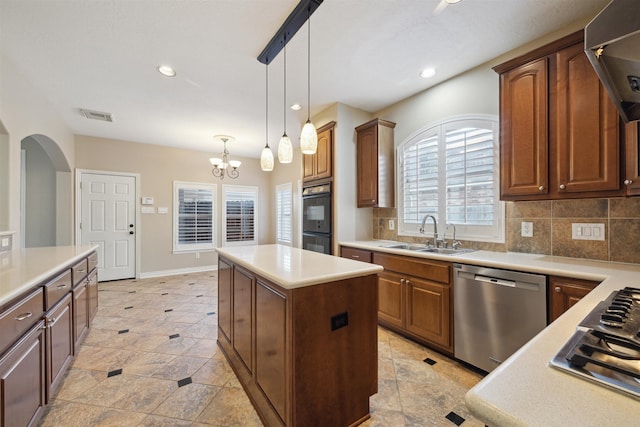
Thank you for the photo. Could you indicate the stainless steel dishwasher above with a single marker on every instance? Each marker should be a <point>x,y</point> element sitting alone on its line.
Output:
<point>495,313</point>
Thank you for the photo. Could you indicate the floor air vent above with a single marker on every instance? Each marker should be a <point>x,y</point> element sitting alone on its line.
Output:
<point>96,115</point>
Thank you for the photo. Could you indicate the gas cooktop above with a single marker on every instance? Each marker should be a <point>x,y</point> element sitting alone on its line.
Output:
<point>605,348</point>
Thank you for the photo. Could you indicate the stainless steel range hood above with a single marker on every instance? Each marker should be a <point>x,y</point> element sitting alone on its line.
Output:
<point>612,44</point>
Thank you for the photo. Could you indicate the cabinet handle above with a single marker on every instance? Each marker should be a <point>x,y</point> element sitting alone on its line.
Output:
<point>402,281</point>
<point>61,286</point>
<point>541,188</point>
<point>628,182</point>
<point>51,322</point>
<point>408,282</point>
<point>562,186</point>
<point>24,316</point>
<point>355,256</point>
<point>82,270</point>
<point>557,289</point>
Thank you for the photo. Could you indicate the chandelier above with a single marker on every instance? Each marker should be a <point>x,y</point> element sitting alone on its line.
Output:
<point>223,166</point>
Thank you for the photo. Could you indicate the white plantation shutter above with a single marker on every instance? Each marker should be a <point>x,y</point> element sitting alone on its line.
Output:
<point>240,207</point>
<point>193,216</point>
<point>284,220</point>
<point>450,171</point>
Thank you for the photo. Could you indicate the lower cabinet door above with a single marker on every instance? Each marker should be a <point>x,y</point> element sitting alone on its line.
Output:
<point>80,313</point>
<point>92,289</point>
<point>243,315</point>
<point>271,336</point>
<point>60,342</point>
<point>390,306</point>
<point>22,379</point>
<point>428,313</point>
<point>224,299</point>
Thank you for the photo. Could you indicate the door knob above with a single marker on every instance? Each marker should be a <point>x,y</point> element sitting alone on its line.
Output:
<point>562,186</point>
<point>130,225</point>
<point>131,232</point>
<point>627,182</point>
<point>541,188</point>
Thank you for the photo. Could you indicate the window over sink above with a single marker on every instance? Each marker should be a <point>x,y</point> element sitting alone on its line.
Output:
<point>449,169</point>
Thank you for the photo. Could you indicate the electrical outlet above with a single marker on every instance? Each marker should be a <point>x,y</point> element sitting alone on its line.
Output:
<point>197,255</point>
<point>5,242</point>
<point>526,229</point>
<point>392,224</point>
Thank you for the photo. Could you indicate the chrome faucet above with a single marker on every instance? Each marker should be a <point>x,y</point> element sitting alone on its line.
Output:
<point>435,228</point>
<point>454,243</point>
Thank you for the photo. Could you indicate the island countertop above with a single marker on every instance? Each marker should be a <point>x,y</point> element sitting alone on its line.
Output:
<point>23,269</point>
<point>524,390</point>
<point>294,268</point>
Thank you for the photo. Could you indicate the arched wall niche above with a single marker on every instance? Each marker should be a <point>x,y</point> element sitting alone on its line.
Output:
<point>46,193</point>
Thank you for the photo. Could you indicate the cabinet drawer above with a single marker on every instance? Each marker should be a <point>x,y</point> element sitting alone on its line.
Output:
<point>56,289</point>
<point>17,319</point>
<point>357,254</point>
<point>427,269</point>
<point>93,261</point>
<point>79,271</point>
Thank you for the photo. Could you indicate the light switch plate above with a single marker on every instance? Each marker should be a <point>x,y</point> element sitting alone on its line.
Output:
<point>587,231</point>
<point>392,224</point>
<point>526,229</point>
<point>5,242</point>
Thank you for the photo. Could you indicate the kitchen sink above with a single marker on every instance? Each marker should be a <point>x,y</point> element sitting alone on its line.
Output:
<point>422,248</point>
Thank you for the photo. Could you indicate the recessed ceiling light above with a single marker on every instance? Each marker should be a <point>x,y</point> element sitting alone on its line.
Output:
<point>427,72</point>
<point>165,70</point>
<point>453,1</point>
<point>296,107</point>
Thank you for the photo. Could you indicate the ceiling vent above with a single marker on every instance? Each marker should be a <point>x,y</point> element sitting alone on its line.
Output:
<point>96,115</point>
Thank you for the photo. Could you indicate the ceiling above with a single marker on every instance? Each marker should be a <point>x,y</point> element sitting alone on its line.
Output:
<point>102,55</point>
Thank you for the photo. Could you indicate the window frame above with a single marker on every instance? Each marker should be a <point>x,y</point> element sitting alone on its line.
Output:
<point>253,190</point>
<point>285,187</point>
<point>193,247</point>
<point>494,233</point>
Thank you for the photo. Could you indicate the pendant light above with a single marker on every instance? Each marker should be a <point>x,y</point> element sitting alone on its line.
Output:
<point>309,135</point>
<point>266,158</point>
<point>285,149</point>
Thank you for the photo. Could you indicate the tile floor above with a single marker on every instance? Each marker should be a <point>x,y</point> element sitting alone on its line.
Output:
<point>151,359</point>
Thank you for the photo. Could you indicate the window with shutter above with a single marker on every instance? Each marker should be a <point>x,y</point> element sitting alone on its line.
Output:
<point>284,214</point>
<point>193,210</point>
<point>450,170</point>
<point>240,222</point>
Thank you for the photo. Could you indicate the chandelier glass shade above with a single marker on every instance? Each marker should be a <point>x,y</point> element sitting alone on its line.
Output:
<point>222,165</point>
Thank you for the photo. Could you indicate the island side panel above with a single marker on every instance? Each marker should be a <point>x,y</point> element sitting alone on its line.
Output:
<point>335,356</point>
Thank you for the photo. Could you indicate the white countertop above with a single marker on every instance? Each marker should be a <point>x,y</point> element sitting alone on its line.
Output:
<point>524,390</point>
<point>294,268</point>
<point>23,269</point>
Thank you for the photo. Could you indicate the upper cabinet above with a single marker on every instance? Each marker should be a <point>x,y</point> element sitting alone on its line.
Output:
<point>375,164</point>
<point>319,165</point>
<point>632,171</point>
<point>559,131</point>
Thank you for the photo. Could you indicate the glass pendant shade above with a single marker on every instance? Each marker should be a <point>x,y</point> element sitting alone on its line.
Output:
<point>309,138</point>
<point>266,159</point>
<point>285,150</point>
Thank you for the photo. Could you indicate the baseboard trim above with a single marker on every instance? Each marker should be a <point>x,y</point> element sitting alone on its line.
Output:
<point>175,272</point>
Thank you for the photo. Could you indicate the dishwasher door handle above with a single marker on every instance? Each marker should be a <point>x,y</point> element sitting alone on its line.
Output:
<point>493,280</point>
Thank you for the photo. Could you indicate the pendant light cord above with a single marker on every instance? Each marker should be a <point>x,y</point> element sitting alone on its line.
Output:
<point>266,102</point>
<point>308,68</point>
<point>284,102</point>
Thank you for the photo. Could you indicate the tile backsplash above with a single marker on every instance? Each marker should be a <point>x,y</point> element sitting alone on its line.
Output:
<point>552,220</point>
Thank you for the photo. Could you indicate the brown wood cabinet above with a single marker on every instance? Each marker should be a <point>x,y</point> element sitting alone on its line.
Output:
<point>415,299</point>
<point>320,165</point>
<point>22,379</point>
<point>60,343</point>
<point>632,159</point>
<point>560,133</point>
<point>298,352</point>
<point>375,164</point>
<point>356,254</point>
<point>39,332</point>
<point>564,292</point>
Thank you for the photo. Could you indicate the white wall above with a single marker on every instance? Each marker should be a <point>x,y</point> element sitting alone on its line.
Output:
<point>25,112</point>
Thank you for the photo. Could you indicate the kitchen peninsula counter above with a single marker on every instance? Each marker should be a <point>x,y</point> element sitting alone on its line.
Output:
<point>299,329</point>
<point>23,269</point>
<point>524,390</point>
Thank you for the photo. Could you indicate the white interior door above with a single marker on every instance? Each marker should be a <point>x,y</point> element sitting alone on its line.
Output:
<point>108,208</point>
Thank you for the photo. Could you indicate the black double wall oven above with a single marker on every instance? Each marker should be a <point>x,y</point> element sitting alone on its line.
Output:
<point>316,218</point>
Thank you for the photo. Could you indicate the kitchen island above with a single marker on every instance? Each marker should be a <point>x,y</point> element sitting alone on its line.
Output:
<point>524,390</point>
<point>299,329</point>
